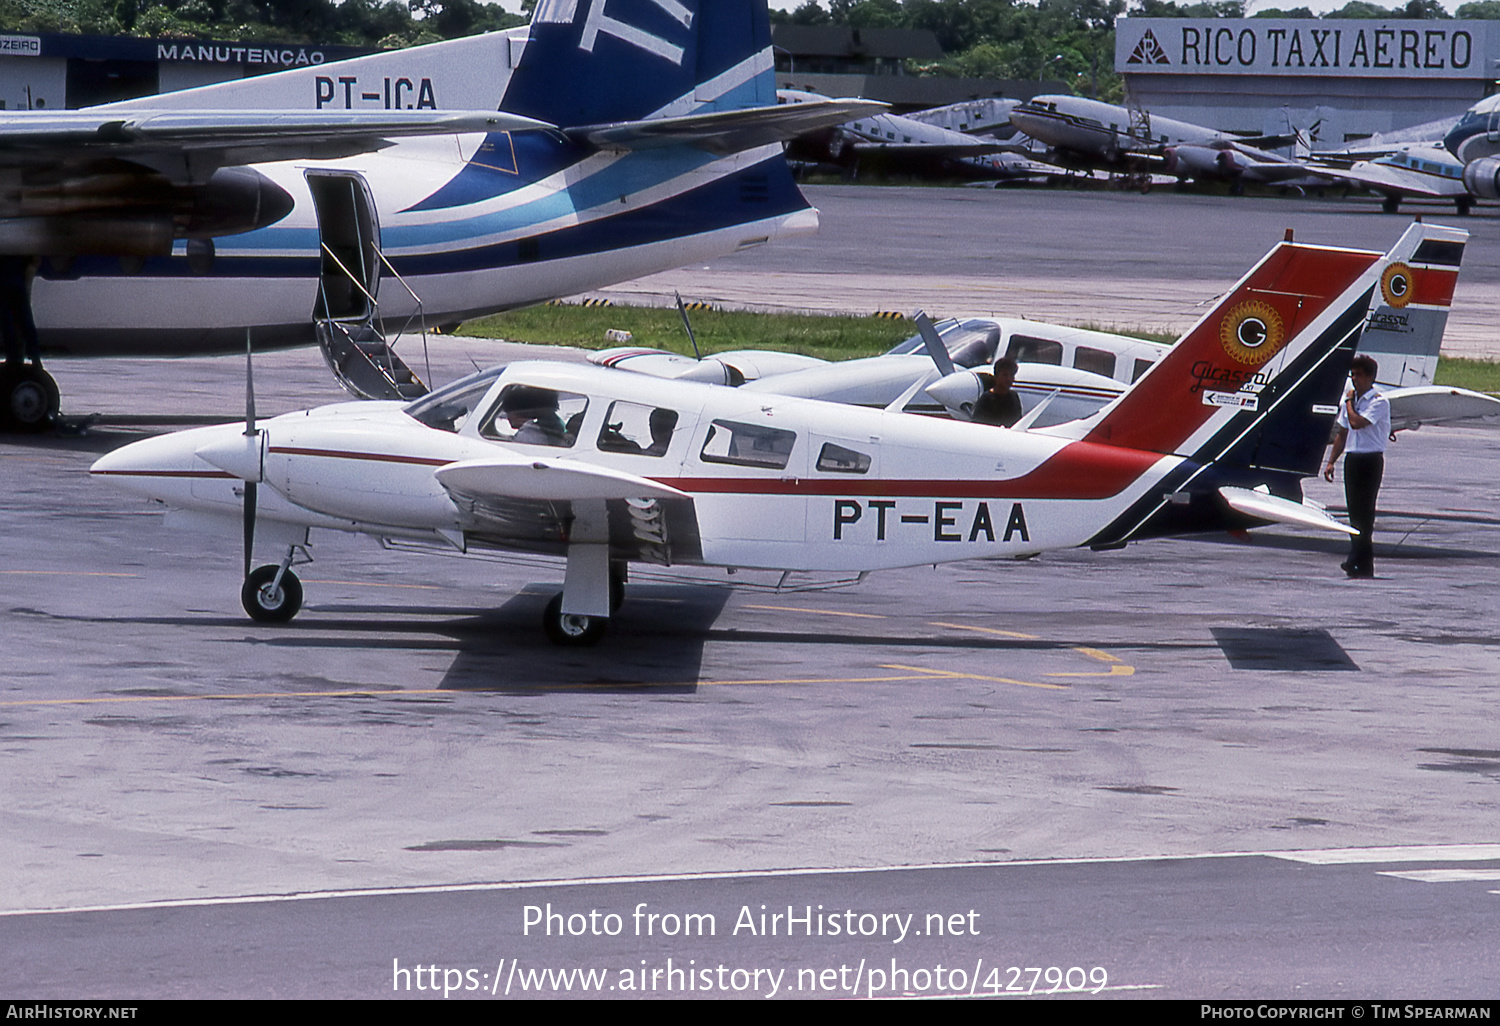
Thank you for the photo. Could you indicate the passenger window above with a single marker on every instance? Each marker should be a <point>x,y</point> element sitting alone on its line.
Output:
<point>837,460</point>
<point>1025,349</point>
<point>1095,361</point>
<point>1141,367</point>
<point>636,429</point>
<point>748,445</point>
<point>531,415</point>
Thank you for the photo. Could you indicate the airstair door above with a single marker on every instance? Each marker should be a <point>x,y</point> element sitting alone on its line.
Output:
<point>350,238</point>
<point>346,314</point>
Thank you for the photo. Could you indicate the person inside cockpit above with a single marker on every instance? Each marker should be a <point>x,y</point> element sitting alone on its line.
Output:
<point>532,412</point>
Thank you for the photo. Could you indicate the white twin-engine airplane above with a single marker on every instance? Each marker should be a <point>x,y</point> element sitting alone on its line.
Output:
<point>604,468</point>
<point>1066,372</point>
<point>624,137</point>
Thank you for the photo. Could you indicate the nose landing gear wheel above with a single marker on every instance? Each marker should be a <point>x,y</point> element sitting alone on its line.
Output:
<point>266,605</point>
<point>571,630</point>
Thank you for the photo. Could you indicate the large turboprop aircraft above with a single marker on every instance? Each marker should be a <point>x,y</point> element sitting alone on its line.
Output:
<point>634,136</point>
<point>604,468</point>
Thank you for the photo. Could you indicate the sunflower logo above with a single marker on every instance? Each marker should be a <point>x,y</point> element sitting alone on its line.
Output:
<point>1252,332</point>
<point>1395,285</point>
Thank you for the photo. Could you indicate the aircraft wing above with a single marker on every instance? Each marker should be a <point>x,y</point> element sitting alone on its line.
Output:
<point>1388,179</point>
<point>550,504</point>
<point>727,131</point>
<point>548,480</point>
<point>1438,404</point>
<point>207,139</point>
<point>934,150</point>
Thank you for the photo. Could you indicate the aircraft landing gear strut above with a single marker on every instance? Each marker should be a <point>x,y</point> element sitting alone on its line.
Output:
<point>272,593</point>
<point>29,396</point>
<point>579,630</point>
<point>571,630</point>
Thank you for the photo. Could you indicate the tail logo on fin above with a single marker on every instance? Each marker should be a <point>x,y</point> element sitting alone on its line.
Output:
<point>565,12</point>
<point>1395,285</point>
<point>1252,332</point>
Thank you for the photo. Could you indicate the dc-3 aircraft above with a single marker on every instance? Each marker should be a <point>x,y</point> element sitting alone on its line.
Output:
<point>884,142</point>
<point>1091,134</point>
<point>622,137</point>
<point>1066,372</point>
<point>604,468</point>
<point>1461,163</point>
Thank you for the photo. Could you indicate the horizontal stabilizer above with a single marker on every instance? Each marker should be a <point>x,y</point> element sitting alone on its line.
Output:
<point>548,480</point>
<point>727,131</point>
<point>1437,404</point>
<point>1265,506</point>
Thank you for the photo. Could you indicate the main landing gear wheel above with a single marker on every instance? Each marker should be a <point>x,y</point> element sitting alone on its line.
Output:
<point>268,605</point>
<point>30,397</point>
<point>571,630</point>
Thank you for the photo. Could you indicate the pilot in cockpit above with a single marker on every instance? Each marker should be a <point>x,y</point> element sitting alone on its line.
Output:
<point>532,412</point>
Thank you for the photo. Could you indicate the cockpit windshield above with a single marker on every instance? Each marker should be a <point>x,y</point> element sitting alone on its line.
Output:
<point>969,343</point>
<point>449,407</point>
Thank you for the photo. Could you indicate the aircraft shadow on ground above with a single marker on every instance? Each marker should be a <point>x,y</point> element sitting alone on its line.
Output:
<point>655,641</point>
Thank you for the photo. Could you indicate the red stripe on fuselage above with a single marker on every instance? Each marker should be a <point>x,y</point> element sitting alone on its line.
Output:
<point>1166,406</point>
<point>1080,470</point>
<point>344,454</point>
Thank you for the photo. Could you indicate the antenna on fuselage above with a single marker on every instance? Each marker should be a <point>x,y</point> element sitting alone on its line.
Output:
<point>686,324</point>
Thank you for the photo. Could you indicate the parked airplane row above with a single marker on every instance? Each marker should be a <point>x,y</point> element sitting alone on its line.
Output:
<point>1459,163</point>
<point>605,146</point>
<point>604,468</point>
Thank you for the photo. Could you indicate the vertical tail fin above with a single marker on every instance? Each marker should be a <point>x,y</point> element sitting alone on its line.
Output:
<point>588,62</point>
<point>1406,324</point>
<point>1248,397</point>
<point>1276,330</point>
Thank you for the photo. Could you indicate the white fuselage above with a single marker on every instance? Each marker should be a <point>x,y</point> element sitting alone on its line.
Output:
<point>850,490</point>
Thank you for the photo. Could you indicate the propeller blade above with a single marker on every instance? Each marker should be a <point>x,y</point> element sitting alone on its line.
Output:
<point>933,343</point>
<point>250,500</point>
<point>251,488</point>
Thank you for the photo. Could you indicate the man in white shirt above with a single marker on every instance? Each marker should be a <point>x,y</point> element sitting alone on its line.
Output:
<point>1364,428</point>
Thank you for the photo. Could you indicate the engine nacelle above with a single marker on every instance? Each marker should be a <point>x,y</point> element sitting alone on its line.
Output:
<point>1482,178</point>
<point>1192,162</point>
<point>115,208</point>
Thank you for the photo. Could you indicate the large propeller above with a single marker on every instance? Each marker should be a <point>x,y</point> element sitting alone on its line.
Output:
<point>251,484</point>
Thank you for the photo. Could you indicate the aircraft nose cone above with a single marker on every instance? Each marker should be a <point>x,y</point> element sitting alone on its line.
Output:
<point>154,466</point>
<point>241,455</point>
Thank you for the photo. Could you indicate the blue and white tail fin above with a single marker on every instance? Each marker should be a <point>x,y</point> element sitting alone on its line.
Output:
<point>1406,324</point>
<point>591,62</point>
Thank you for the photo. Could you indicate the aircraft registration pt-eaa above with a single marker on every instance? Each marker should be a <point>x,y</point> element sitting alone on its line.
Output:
<point>604,468</point>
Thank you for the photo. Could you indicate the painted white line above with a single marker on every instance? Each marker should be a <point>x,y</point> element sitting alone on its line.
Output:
<point>1445,875</point>
<point>1415,853</point>
<point>1451,853</point>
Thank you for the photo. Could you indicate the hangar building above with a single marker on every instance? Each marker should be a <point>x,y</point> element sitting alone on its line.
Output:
<point>1355,77</point>
<point>51,72</point>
